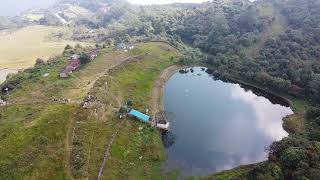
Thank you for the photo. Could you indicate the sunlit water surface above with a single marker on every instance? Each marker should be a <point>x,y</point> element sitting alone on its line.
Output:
<point>216,125</point>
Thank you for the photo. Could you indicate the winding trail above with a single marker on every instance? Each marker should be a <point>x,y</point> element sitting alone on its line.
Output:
<point>107,152</point>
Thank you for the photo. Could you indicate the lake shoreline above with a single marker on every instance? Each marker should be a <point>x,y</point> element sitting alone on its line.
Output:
<point>158,88</point>
<point>253,86</point>
<point>160,83</point>
<point>171,70</point>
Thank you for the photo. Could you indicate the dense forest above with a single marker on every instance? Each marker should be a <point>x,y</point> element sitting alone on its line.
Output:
<point>227,32</point>
<point>273,44</point>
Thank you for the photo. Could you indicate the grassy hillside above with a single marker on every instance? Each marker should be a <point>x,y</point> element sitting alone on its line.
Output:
<point>42,138</point>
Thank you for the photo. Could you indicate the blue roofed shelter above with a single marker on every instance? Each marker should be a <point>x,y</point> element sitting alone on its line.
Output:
<point>139,115</point>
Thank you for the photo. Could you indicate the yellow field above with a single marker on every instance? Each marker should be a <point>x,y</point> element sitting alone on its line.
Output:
<point>33,17</point>
<point>20,48</point>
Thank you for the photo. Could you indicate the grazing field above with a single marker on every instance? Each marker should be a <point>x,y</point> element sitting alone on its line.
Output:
<point>42,138</point>
<point>137,151</point>
<point>20,48</point>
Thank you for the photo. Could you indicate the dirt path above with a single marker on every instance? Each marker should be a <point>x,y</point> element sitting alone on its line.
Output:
<point>107,152</point>
<point>158,89</point>
<point>70,133</point>
<point>88,77</point>
<point>91,74</point>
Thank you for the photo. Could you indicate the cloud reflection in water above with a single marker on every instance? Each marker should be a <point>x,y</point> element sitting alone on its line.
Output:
<point>218,126</point>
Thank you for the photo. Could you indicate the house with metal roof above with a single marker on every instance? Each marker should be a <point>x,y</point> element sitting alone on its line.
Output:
<point>74,65</point>
<point>139,115</point>
<point>93,54</point>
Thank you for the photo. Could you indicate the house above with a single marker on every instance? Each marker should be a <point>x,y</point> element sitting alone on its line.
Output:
<point>75,56</point>
<point>73,65</point>
<point>121,46</point>
<point>93,54</point>
<point>164,126</point>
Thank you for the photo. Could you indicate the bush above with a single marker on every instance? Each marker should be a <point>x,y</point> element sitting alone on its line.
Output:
<point>313,113</point>
<point>266,171</point>
<point>40,62</point>
<point>68,47</point>
<point>314,135</point>
<point>292,156</point>
<point>84,59</point>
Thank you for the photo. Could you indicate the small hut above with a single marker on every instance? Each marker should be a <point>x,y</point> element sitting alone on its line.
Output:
<point>139,115</point>
<point>74,65</point>
<point>94,54</point>
<point>162,122</point>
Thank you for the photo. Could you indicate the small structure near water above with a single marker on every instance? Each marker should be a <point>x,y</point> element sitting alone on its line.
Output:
<point>159,121</point>
<point>139,115</point>
<point>162,121</point>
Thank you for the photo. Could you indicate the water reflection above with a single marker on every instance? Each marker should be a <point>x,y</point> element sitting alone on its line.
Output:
<point>267,120</point>
<point>217,125</point>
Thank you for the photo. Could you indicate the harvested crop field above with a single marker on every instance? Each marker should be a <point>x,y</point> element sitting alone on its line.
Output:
<point>20,48</point>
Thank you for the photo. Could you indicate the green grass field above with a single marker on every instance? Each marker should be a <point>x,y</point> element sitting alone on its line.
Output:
<point>135,154</point>
<point>45,139</point>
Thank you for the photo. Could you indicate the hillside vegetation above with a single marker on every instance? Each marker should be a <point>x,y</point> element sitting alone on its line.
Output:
<point>271,44</point>
<point>43,137</point>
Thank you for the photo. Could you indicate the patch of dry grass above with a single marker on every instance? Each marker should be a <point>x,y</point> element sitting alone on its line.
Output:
<point>295,124</point>
<point>20,48</point>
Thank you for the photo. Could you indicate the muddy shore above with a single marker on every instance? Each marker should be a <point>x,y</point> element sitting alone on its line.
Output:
<point>158,89</point>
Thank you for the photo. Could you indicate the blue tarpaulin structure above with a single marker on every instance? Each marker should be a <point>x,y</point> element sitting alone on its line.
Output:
<point>139,115</point>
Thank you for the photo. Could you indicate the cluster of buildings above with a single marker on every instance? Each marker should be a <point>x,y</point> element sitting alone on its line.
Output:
<point>159,121</point>
<point>125,47</point>
<point>75,63</point>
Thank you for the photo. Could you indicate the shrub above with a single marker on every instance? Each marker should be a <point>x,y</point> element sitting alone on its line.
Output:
<point>68,47</point>
<point>84,59</point>
<point>266,170</point>
<point>40,62</point>
<point>313,113</point>
<point>292,156</point>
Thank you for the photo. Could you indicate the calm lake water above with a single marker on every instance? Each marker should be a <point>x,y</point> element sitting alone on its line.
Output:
<point>217,126</point>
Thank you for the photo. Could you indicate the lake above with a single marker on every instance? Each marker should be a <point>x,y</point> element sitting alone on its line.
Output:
<point>217,126</point>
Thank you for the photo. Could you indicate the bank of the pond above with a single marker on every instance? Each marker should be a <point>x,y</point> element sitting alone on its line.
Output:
<point>158,89</point>
<point>287,101</point>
